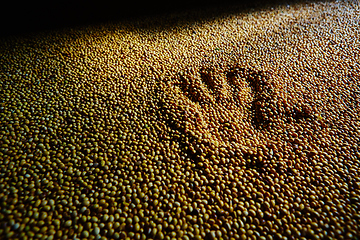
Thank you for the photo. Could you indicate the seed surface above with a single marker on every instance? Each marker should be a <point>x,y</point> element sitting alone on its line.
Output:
<point>245,125</point>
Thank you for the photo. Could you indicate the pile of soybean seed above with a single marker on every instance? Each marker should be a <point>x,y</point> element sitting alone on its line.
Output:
<point>244,125</point>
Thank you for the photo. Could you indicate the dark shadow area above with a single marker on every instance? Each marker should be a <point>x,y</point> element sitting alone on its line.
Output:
<point>27,17</point>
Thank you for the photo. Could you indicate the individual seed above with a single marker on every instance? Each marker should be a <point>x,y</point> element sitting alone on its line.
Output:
<point>96,231</point>
<point>68,223</point>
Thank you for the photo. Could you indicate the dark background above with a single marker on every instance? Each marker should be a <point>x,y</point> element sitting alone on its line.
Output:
<point>25,17</point>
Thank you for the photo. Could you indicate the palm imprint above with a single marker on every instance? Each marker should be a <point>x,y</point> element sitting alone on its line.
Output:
<point>225,109</point>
